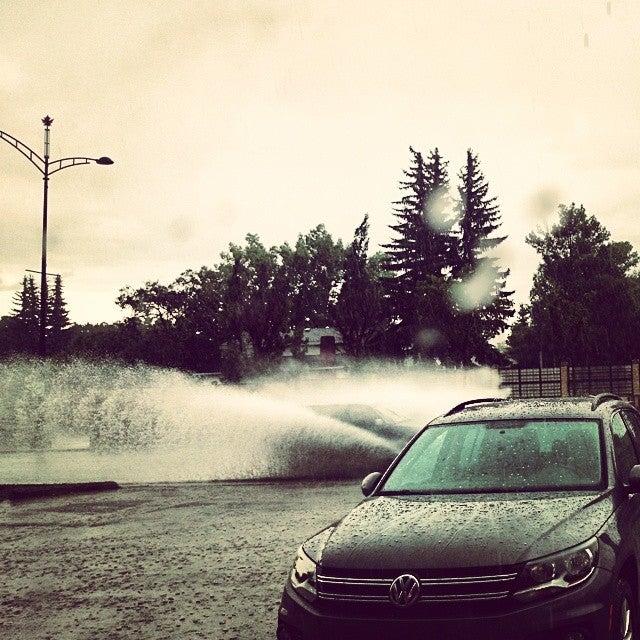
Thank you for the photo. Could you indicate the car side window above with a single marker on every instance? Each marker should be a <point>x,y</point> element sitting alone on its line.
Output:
<point>623,450</point>
<point>632,420</point>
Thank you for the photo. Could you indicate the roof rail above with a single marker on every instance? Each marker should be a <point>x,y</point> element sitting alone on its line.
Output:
<point>467,403</point>
<point>601,398</point>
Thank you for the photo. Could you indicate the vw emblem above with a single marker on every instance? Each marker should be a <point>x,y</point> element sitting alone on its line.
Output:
<point>404,590</point>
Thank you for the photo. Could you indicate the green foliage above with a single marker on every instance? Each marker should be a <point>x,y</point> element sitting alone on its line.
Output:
<point>58,319</point>
<point>237,358</point>
<point>584,300</point>
<point>240,314</point>
<point>447,293</point>
<point>154,304</point>
<point>360,313</point>
<point>313,270</point>
<point>419,249</point>
<point>21,330</point>
<point>473,267</point>
<point>478,218</point>
<point>256,297</point>
<point>120,341</point>
<point>435,293</point>
<point>522,344</point>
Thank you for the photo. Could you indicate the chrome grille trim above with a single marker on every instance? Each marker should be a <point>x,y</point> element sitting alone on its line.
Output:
<point>449,598</point>
<point>496,595</point>
<point>423,581</point>
<point>498,586</point>
<point>471,580</point>
<point>355,581</point>
<point>350,598</point>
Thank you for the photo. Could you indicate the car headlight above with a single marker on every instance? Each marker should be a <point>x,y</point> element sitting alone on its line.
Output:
<point>303,575</point>
<point>554,574</point>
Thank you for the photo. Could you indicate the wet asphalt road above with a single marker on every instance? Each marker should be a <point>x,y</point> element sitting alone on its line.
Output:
<point>158,561</point>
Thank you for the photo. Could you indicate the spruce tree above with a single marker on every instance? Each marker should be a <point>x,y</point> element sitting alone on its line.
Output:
<point>26,313</point>
<point>58,317</point>
<point>478,218</point>
<point>420,249</point>
<point>472,266</point>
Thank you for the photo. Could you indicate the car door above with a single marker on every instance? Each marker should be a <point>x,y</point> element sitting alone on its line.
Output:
<point>624,449</point>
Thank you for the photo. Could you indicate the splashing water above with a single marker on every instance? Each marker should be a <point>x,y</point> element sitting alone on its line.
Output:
<point>83,422</point>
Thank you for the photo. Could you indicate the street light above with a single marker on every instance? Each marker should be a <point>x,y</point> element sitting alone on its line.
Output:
<point>47,168</point>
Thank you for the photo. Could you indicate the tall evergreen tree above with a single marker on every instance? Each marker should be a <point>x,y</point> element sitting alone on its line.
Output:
<point>58,320</point>
<point>478,218</point>
<point>360,311</point>
<point>419,251</point>
<point>480,283</point>
<point>26,314</point>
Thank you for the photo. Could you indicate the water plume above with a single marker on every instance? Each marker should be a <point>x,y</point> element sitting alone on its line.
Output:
<point>82,422</point>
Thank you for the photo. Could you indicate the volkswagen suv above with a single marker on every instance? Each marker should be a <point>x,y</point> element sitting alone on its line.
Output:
<point>502,519</point>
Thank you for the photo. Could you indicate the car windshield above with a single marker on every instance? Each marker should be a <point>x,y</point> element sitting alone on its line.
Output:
<point>517,455</point>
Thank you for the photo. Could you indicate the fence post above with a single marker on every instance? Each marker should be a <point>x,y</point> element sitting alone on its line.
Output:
<point>635,382</point>
<point>564,379</point>
<point>519,382</point>
<point>540,381</point>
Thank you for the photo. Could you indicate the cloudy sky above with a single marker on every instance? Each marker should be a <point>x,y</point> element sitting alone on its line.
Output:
<point>228,117</point>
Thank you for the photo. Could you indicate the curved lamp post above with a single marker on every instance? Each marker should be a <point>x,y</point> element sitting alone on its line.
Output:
<point>47,168</point>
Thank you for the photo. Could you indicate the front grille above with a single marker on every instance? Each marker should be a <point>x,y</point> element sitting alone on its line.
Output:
<point>482,587</point>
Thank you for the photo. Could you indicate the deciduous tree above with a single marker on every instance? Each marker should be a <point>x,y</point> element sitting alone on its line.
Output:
<point>584,302</point>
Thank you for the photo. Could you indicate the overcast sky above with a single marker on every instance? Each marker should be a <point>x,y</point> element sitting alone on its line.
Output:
<point>270,117</point>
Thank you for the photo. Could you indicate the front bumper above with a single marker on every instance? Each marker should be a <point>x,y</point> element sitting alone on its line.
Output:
<point>584,609</point>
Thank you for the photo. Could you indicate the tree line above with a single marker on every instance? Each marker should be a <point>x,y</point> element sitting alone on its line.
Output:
<point>19,331</point>
<point>435,292</point>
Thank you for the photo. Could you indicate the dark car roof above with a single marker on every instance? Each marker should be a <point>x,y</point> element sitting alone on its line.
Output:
<point>541,408</point>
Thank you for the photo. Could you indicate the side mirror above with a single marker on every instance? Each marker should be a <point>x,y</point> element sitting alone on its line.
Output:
<point>371,481</point>
<point>634,479</point>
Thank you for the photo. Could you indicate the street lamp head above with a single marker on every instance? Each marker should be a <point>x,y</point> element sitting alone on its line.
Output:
<point>104,160</point>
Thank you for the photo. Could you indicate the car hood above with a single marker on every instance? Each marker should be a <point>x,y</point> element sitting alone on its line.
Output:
<point>454,531</point>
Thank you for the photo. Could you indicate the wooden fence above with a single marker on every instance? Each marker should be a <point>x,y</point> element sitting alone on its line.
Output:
<point>567,380</point>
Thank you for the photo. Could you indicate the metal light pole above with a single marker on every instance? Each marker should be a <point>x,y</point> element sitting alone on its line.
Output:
<point>47,168</point>
<point>44,291</point>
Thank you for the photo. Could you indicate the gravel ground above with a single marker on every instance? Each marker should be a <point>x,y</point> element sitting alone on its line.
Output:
<point>158,561</point>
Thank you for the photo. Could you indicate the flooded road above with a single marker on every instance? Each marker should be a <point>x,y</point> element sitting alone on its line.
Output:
<point>158,561</point>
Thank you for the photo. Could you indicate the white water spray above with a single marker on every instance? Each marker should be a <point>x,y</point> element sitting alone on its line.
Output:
<point>139,424</point>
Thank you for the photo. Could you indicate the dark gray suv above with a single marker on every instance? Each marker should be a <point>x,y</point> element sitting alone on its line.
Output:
<point>514,519</point>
